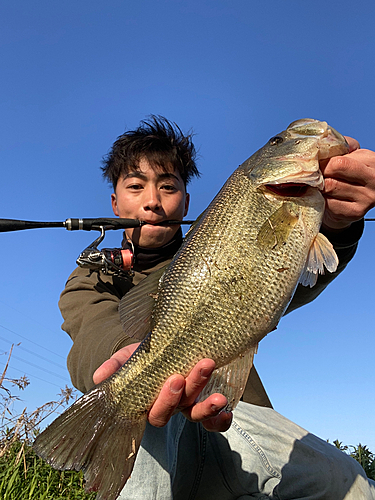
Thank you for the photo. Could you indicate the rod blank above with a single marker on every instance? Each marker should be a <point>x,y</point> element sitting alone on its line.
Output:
<point>18,225</point>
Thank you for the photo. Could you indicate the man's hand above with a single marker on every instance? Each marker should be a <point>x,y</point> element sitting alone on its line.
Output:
<point>178,394</point>
<point>349,186</point>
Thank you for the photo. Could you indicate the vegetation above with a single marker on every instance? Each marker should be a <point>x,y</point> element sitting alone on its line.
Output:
<point>24,476</point>
<point>362,454</point>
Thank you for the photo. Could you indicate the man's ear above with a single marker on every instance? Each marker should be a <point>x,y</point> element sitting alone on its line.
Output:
<point>114,204</point>
<point>187,201</point>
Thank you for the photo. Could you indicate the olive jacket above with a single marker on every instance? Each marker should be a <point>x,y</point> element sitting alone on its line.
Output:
<point>89,306</point>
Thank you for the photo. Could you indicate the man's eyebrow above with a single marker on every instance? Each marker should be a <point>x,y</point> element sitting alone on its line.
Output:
<point>135,173</point>
<point>140,175</point>
<point>167,175</point>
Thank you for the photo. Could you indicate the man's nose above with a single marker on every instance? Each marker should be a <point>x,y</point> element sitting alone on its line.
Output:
<point>152,199</point>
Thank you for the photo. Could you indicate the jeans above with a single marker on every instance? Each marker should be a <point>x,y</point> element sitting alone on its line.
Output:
<point>263,455</point>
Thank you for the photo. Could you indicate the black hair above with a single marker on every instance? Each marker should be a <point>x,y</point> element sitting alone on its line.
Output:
<point>159,141</point>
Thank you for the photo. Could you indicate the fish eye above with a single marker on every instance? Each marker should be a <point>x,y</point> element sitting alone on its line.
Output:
<point>276,140</point>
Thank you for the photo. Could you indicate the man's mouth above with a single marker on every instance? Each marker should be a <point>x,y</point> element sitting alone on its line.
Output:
<point>153,222</point>
<point>167,222</point>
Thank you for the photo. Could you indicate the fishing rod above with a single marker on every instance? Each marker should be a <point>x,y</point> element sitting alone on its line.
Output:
<point>82,224</point>
<point>116,260</point>
<point>7,225</point>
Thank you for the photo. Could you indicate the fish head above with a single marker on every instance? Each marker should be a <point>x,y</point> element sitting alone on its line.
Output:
<point>292,156</point>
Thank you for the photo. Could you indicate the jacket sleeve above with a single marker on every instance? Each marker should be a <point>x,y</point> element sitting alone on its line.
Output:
<point>89,306</point>
<point>345,244</point>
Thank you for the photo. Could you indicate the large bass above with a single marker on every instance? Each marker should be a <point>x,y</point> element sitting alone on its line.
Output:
<point>225,289</point>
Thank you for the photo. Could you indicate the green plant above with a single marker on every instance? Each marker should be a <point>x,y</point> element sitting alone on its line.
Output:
<point>23,475</point>
<point>362,454</point>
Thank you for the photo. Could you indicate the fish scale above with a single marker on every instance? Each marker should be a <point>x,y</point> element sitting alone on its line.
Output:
<point>225,289</point>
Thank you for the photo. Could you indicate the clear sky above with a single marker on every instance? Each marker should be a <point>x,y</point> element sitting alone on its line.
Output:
<point>74,75</point>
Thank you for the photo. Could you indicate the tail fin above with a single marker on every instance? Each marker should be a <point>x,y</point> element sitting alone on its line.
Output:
<point>94,436</point>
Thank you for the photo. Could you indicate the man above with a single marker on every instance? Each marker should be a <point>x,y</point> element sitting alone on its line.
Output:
<point>260,454</point>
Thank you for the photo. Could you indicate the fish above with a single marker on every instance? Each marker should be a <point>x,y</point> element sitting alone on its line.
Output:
<point>225,289</point>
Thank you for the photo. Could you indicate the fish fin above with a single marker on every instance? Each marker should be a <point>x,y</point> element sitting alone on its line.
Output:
<point>95,437</point>
<point>277,228</point>
<point>321,254</point>
<point>137,305</point>
<point>230,379</point>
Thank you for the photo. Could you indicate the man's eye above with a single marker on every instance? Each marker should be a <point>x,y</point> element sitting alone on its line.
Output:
<point>134,186</point>
<point>168,187</point>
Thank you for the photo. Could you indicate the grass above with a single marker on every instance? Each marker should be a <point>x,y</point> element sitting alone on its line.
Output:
<point>24,476</point>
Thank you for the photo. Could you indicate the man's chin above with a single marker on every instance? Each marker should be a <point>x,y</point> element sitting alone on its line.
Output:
<point>155,237</point>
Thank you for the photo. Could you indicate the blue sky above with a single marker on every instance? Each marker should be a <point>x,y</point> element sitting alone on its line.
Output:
<point>74,75</point>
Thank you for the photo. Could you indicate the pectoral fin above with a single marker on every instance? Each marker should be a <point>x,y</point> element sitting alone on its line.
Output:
<point>230,379</point>
<point>137,305</point>
<point>321,254</point>
<point>277,228</point>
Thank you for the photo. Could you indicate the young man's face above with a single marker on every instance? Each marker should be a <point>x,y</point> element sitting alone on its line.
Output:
<point>151,195</point>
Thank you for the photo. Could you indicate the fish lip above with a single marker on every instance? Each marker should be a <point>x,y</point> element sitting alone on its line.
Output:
<point>314,179</point>
<point>332,144</point>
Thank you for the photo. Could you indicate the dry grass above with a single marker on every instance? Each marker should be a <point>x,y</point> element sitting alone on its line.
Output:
<point>23,475</point>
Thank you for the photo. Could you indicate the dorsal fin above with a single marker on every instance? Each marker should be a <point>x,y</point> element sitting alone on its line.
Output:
<point>137,305</point>
<point>321,254</point>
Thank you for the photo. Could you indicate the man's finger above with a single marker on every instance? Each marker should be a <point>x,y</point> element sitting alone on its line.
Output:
<point>196,381</point>
<point>353,143</point>
<point>221,423</point>
<point>210,407</point>
<point>105,370</point>
<point>167,401</point>
<point>114,363</point>
<point>352,168</point>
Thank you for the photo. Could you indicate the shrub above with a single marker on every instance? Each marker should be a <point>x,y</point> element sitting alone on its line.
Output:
<point>362,454</point>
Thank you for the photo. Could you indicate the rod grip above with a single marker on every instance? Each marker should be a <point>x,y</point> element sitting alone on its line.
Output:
<point>88,224</point>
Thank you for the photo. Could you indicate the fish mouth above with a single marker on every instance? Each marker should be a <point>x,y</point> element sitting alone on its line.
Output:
<point>289,189</point>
